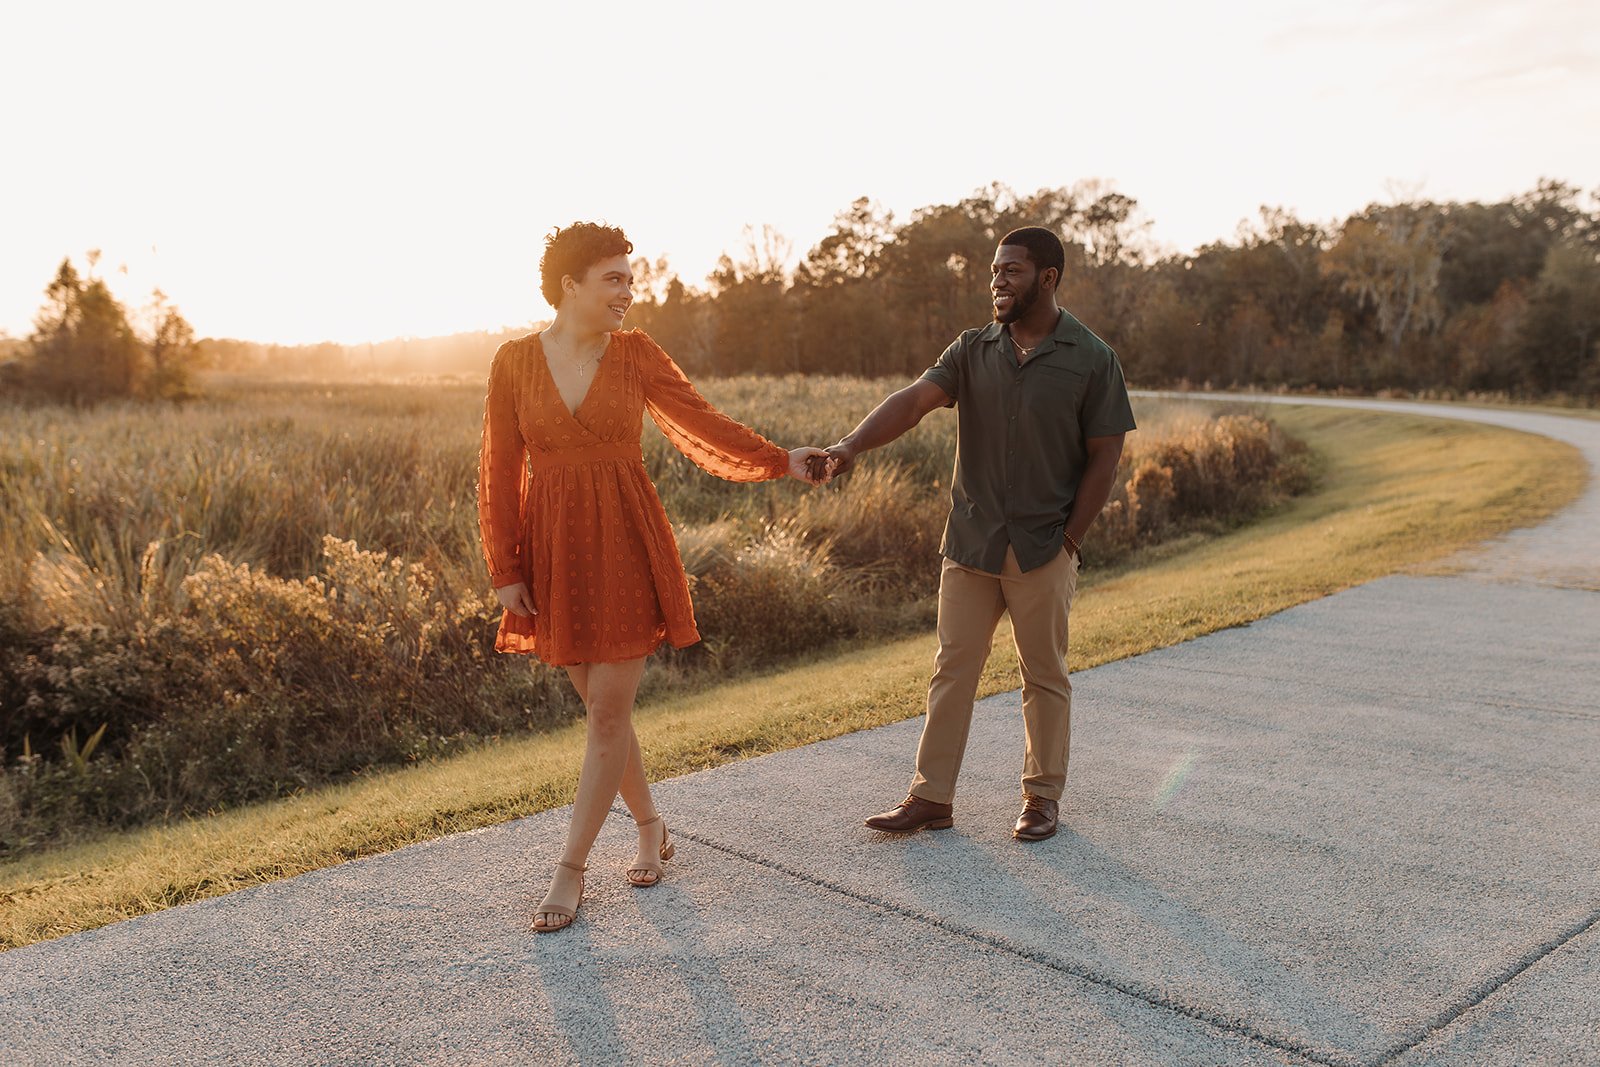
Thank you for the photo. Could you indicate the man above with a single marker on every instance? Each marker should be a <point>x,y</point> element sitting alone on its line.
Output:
<point>1042,411</point>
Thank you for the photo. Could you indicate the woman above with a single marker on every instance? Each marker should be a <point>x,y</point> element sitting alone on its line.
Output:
<point>577,544</point>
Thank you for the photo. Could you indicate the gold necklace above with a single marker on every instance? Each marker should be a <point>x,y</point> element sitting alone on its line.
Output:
<point>583,364</point>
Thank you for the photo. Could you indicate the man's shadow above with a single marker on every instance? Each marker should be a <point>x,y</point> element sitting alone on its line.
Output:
<point>1212,974</point>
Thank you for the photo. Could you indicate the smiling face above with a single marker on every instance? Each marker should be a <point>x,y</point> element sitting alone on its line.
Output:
<point>600,299</point>
<point>1015,283</point>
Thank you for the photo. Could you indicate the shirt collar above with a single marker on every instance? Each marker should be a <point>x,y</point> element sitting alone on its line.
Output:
<point>1065,333</point>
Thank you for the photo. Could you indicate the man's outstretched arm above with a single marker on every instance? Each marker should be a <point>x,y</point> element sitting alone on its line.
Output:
<point>899,412</point>
<point>1094,488</point>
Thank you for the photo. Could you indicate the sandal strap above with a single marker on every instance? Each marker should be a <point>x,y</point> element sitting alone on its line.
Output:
<point>647,822</point>
<point>572,866</point>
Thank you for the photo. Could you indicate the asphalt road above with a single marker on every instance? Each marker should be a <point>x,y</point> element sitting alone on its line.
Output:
<point>1361,831</point>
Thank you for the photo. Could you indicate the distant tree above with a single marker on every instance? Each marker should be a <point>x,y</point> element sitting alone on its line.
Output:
<point>671,313</point>
<point>1274,270</point>
<point>936,276</point>
<point>1485,341</point>
<point>844,325</point>
<point>1561,326</point>
<point>1389,258</point>
<point>752,324</point>
<point>173,353</point>
<point>650,279</point>
<point>1108,226</point>
<point>1492,244</point>
<point>1167,340</point>
<point>82,347</point>
<point>851,251</point>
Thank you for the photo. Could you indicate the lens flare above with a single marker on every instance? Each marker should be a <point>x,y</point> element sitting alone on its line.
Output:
<point>1173,783</point>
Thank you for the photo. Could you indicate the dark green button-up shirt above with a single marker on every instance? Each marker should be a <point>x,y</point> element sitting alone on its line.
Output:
<point>1020,449</point>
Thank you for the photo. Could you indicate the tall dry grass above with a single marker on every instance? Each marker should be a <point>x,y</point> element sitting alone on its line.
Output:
<point>281,585</point>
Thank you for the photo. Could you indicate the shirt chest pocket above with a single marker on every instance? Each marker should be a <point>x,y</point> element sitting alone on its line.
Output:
<point>1055,391</point>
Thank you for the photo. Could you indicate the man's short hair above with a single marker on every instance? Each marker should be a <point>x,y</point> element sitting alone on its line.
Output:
<point>574,250</point>
<point>1043,246</point>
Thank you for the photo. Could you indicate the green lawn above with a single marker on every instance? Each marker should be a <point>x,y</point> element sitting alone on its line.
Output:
<point>1395,492</point>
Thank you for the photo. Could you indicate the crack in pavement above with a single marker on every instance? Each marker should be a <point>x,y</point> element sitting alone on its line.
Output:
<point>1488,988</point>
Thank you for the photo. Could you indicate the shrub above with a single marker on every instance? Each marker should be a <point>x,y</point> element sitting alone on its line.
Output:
<point>258,687</point>
<point>773,597</point>
<point>879,521</point>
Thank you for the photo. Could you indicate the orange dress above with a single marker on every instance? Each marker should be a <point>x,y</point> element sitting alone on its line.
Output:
<point>565,504</point>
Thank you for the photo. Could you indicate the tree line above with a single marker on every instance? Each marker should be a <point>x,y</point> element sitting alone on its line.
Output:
<point>1409,295</point>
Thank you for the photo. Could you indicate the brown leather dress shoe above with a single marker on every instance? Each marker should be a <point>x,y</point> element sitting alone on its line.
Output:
<point>913,813</point>
<point>1038,818</point>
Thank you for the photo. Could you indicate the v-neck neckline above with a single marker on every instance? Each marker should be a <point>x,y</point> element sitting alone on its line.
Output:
<point>544,360</point>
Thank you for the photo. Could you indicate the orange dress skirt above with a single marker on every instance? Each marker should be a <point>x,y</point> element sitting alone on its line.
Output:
<point>565,504</point>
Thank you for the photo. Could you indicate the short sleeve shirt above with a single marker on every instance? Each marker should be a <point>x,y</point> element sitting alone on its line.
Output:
<point>1021,437</point>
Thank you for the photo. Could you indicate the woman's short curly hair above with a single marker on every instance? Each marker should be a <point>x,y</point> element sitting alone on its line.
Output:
<point>574,250</point>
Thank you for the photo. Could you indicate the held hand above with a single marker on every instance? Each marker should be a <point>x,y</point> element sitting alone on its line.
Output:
<point>809,465</point>
<point>516,599</point>
<point>840,459</point>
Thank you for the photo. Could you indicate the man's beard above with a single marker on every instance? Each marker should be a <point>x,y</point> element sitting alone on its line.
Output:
<point>1019,304</point>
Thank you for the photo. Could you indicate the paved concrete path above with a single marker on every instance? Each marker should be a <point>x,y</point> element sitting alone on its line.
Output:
<point>1361,831</point>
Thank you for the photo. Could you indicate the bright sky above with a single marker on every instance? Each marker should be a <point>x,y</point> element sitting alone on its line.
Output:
<point>342,171</point>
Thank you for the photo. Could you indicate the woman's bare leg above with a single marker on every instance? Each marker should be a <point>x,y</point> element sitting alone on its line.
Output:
<point>609,690</point>
<point>635,787</point>
<point>579,673</point>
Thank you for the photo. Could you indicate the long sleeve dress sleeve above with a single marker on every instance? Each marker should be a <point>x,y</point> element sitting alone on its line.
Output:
<point>716,443</point>
<point>502,474</point>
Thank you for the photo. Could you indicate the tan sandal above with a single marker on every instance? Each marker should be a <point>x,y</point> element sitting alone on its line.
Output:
<point>653,866</point>
<point>556,909</point>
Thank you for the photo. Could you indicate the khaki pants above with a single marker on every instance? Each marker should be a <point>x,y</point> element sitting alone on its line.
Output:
<point>970,605</point>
